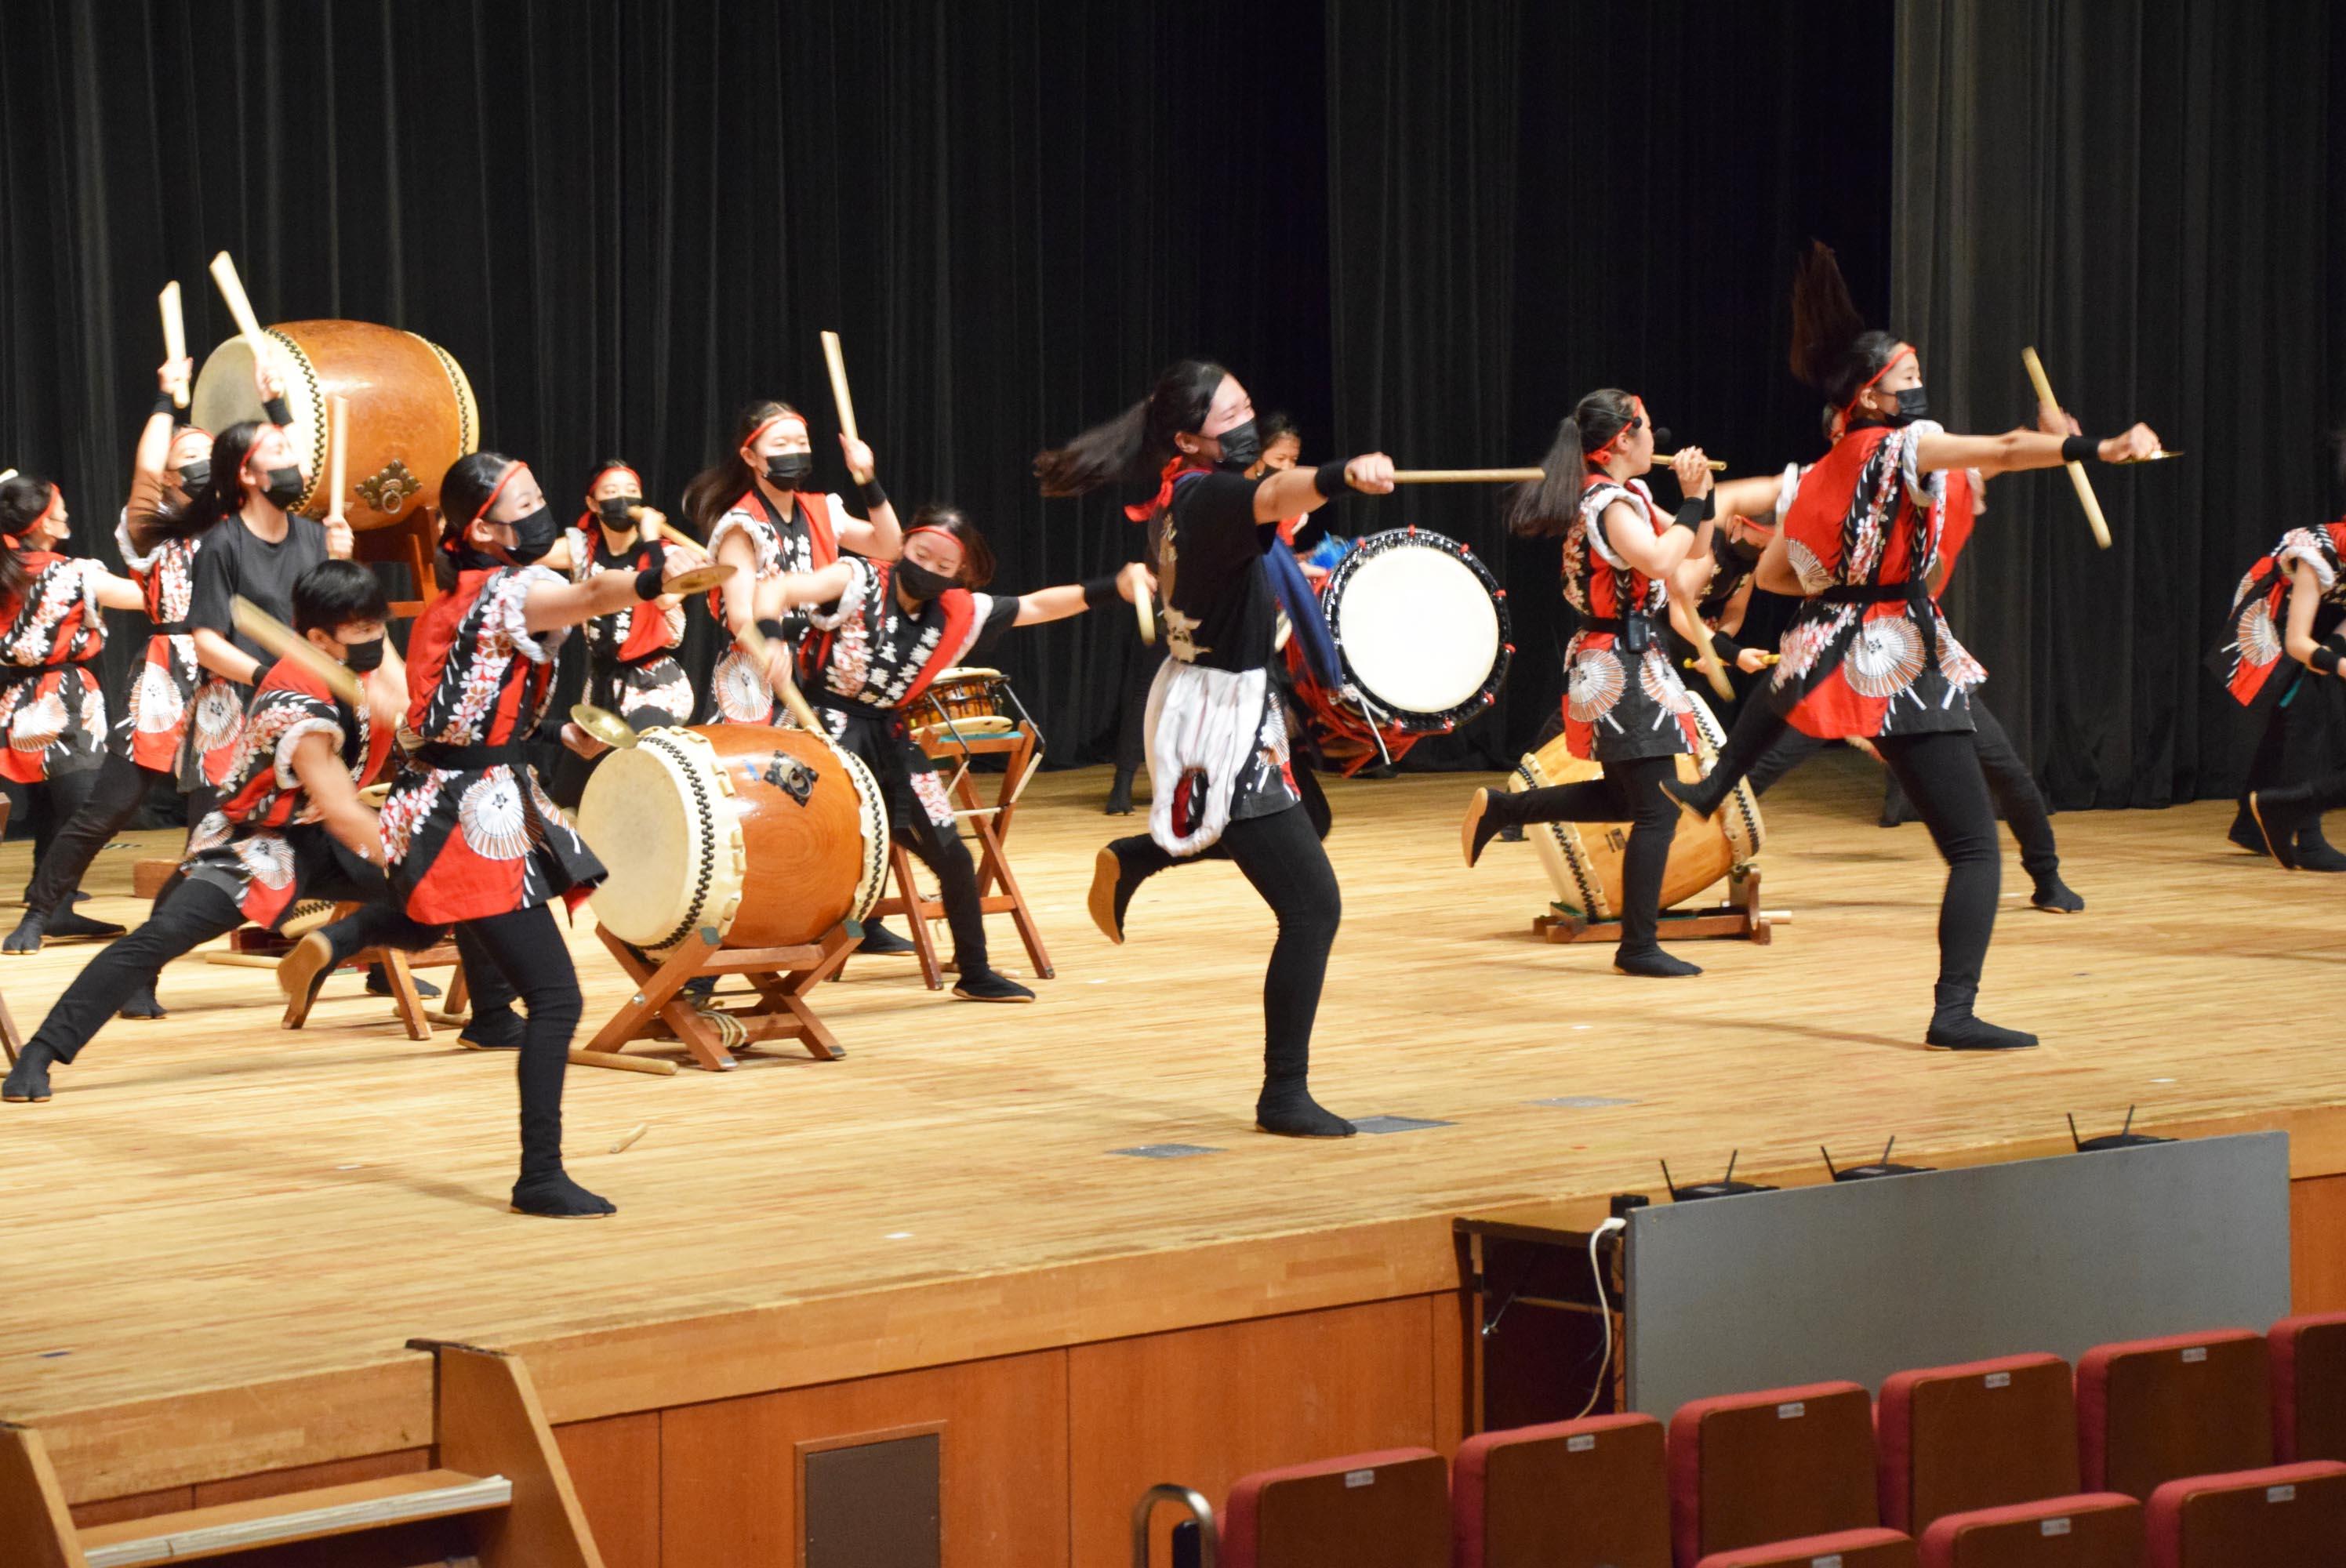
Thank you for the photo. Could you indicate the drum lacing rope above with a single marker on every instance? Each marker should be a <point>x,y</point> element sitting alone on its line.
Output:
<point>704,822</point>
<point>731,1032</point>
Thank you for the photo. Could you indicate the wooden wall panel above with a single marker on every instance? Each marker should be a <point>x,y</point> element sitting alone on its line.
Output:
<point>2316,1244</point>
<point>729,1483</point>
<point>1202,1407</point>
<point>302,1478</point>
<point>137,1505</point>
<point>614,1469</point>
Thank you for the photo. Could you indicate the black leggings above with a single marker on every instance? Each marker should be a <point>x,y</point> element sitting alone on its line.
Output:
<point>191,914</point>
<point>1631,792</point>
<point>1941,774</point>
<point>116,791</point>
<point>50,804</point>
<point>1281,855</point>
<point>527,947</point>
<point>948,860</point>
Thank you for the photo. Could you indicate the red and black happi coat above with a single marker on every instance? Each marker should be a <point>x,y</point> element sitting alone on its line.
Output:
<point>241,845</point>
<point>467,830</point>
<point>631,664</point>
<point>2259,612</point>
<point>1619,706</point>
<point>52,709</point>
<point>1869,652</point>
<point>155,732</point>
<point>805,541</point>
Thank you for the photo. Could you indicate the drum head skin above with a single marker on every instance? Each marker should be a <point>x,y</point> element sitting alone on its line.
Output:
<point>1419,629</point>
<point>642,814</point>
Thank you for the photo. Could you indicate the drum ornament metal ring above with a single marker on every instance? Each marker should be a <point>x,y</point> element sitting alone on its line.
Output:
<point>1405,720</point>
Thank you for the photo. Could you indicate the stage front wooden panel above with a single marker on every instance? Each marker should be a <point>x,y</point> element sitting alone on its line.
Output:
<point>218,1237</point>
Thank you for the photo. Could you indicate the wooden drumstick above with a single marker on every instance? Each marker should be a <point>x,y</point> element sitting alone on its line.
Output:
<point>6,474</point>
<point>1692,627</point>
<point>175,336</point>
<point>240,308</point>
<point>1145,613</point>
<point>2085,486</point>
<point>1664,459</point>
<point>756,644</point>
<point>1468,476</point>
<point>338,429</point>
<point>287,644</point>
<point>837,360</point>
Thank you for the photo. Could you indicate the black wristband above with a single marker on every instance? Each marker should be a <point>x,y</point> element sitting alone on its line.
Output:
<point>2324,658</point>
<point>1329,480</point>
<point>261,672</point>
<point>163,405</point>
<point>2081,449</point>
<point>874,496</point>
<point>278,413</point>
<point>1727,649</point>
<point>1691,512</point>
<point>1099,591</point>
<point>773,630</point>
<point>648,582</point>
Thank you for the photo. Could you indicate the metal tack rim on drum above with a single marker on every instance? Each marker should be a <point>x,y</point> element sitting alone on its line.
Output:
<point>1371,547</point>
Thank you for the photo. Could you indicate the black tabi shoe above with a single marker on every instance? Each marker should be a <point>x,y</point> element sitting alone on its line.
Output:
<point>68,925</point>
<point>2316,853</point>
<point>2054,895</point>
<point>880,942</point>
<point>26,937</point>
<point>556,1196</point>
<point>379,984</point>
<point>2281,814</point>
<point>986,986</point>
<point>1956,1027</point>
<point>1119,797</point>
<point>496,1029</point>
<point>302,972</point>
<point>1110,894</point>
<point>1291,1111</point>
<point>1487,812</point>
<point>143,1006</point>
<point>2245,833</point>
<point>28,1080</point>
<point>1696,797</point>
<point>1653,964</point>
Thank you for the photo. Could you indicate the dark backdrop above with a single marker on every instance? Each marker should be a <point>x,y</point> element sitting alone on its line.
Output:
<point>1425,228</point>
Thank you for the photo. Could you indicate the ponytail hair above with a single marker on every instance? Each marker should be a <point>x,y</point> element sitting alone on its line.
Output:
<point>465,490</point>
<point>23,498</point>
<point>1832,350</point>
<point>1546,506</point>
<point>976,554</point>
<point>726,480</point>
<point>1135,444</point>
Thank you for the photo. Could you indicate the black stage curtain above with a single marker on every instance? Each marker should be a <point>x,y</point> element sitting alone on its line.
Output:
<point>1425,228</point>
<point>2142,189</point>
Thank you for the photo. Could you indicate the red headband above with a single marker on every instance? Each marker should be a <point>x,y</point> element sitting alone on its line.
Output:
<point>771,420</point>
<point>496,490</point>
<point>620,468</point>
<point>939,533</point>
<point>1604,454</point>
<point>1903,352</point>
<point>15,540</point>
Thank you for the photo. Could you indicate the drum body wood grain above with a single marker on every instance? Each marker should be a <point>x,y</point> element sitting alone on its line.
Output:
<point>769,836</point>
<point>412,413</point>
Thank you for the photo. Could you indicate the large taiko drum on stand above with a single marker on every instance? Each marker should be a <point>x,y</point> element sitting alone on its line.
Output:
<point>770,836</point>
<point>411,412</point>
<point>1584,859</point>
<point>1422,630</point>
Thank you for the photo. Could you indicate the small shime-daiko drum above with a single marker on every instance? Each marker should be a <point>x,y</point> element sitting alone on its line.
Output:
<point>771,837</point>
<point>1422,630</point>
<point>972,701</point>
<point>1584,859</point>
<point>411,412</point>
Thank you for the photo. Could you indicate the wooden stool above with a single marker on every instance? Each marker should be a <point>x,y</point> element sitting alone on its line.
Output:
<point>783,976</point>
<point>992,824</point>
<point>398,967</point>
<point>499,1494</point>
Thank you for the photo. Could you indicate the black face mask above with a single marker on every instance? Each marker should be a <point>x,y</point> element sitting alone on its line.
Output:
<point>366,657</point>
<point>196,477</point>
<point>1913,402</point>
<point>920,583</point>
<point>533,535</point>
<point>784,469</point>
<point>614,511</point>
<point>284,488</point>
<point>1241,447</point>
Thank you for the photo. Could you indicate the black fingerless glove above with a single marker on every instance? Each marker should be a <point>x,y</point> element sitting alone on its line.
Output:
<point>1100,591</point>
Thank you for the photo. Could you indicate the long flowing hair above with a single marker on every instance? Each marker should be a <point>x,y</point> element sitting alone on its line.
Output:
<point>1548,505</point>
<point>1136,442</point>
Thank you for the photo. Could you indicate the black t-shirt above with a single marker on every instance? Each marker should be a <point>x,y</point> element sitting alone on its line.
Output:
<point>234,561</point>
<point>1219,606</point>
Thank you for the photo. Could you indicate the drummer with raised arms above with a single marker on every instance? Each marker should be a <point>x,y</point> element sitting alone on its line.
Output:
<point>881,632</point>
<point>1625,706</point>
<point>1217,747</point>
<point>471,837</point>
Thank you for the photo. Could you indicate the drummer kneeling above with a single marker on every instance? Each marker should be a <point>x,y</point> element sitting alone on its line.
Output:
<point>883,631</point>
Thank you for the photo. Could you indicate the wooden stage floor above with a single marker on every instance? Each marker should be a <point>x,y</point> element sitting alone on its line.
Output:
<point>215,1240</point>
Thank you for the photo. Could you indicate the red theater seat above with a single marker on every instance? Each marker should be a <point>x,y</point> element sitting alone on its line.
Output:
<point>1751,1469</point>
<point>2290,1516</point>
<point>2308,1387</point>
<point>1843,1549</point>
<point>1574,1492</point>
<point>2152,1410</point>
<point>1955,1440</point>
<point>2094,1530</point>
<point>1384,1509</point>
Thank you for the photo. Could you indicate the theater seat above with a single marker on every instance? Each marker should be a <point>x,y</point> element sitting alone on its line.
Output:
<point>1982,1435</point>
<point>1780,1465</point>
<point>2153,1411</point>
<point>2287,1516</point>
<point>1574,1492</point>
<point>2308,1387</point>
<point>2094,1529</point>
<point>1384,1509</point>
<point>1842,1549</point>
